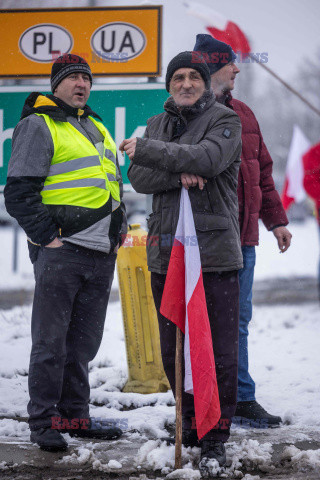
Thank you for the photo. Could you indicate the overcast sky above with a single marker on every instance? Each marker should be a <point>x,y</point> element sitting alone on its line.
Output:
<point>287,29</point>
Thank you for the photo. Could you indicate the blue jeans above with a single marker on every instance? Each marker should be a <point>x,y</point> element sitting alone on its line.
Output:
<point>246,386</point>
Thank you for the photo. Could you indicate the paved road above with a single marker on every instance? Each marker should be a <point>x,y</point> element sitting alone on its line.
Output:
<point>293,290</point>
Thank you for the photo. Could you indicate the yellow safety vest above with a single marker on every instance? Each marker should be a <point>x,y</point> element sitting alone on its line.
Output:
<point>78,175</point>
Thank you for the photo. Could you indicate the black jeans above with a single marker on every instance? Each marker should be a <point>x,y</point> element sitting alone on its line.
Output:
<point>222,296</point>
<point>69,308</point>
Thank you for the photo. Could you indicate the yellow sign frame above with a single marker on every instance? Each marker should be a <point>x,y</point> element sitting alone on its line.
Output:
<point>81,24</point>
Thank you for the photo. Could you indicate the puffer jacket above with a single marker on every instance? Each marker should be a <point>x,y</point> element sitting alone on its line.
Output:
<point>204,139</point>
<point>311,181</point>
<point>257,195</point>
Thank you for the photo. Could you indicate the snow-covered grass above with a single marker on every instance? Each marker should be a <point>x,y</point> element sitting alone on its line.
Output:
<point>284,349</point>
<point>302,258</point>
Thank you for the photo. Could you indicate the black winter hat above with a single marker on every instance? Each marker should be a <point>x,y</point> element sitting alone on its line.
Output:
<point>215,53</point>
<point>188,60</point>
<point>65,65</point>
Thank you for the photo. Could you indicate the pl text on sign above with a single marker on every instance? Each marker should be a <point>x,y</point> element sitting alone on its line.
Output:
<point>117,41</point>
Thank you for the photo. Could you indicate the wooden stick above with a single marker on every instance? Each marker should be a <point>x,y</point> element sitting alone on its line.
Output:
<point>178,370</point>
<point>292,90</point>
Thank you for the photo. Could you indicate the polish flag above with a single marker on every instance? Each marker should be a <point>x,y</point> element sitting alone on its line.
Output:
<point>220,27</point>
<point>293,190</point>
<point>184,303</point>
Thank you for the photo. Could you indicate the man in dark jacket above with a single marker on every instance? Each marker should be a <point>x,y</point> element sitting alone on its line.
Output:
<point>195,144</point>
<point>258,198</point>
<point>64,188</point>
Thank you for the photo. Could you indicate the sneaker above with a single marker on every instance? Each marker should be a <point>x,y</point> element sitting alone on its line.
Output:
<point>212,459</point>
<point>189,439</point>
<point>251,414</point>
<point>104,430</point>
<point>49,440</point>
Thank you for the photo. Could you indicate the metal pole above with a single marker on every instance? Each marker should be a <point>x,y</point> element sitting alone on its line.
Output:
<point>292,90</point>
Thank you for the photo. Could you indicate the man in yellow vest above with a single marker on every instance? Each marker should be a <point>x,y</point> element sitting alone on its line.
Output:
<point>64,188</point>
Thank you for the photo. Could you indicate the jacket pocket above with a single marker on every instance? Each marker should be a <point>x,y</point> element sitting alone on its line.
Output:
<point>153,242</point>
<point>153,223</point>
<point>206,221</point>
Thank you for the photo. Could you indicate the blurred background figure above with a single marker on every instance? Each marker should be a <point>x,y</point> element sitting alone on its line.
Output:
<point>311,182</point>
<point>258,198</point>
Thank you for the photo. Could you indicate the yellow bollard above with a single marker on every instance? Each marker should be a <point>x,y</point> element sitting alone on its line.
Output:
<point>146,373</point>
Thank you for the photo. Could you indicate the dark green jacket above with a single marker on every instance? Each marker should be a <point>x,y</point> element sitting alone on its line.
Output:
<point>205,140</point>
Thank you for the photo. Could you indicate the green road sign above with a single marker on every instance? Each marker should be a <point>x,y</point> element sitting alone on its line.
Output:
<point>123,108</point>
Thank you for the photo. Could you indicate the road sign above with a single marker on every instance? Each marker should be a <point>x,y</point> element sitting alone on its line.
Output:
<point>123,108</point>
<point>115,41</point>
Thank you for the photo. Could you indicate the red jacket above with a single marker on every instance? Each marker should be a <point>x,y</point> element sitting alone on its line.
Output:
<point>311,181</point>
<point>256,191</point>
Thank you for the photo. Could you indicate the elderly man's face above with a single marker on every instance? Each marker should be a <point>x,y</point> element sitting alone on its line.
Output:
<point>186,86</point>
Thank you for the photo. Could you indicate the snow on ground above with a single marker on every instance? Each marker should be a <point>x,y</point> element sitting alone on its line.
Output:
<point>286,367</point>
<point>300,260</point>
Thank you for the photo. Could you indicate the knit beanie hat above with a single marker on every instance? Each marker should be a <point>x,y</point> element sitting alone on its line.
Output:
<point>215,53</point>
<point>188,60</point>
<point>65,65</point>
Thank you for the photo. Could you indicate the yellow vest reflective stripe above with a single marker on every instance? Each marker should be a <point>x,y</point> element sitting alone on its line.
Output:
<point>76,164</point>
<point>78,175</point>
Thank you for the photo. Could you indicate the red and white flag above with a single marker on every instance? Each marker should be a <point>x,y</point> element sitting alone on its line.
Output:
<point>220,27</point>
<point>184,303</point>
<point>293,190</point>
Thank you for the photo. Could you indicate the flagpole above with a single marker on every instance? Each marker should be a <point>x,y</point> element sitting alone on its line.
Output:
<point>292,90</point>
<point>178,374</point>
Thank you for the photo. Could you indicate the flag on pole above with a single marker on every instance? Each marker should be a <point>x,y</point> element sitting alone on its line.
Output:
<point>293,190</point>
<point>220,27</point>
<point>311,181</point>
<point>184,303</point>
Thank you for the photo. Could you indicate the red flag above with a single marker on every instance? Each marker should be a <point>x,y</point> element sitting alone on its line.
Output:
<point>233,36</point>
<point>293,190</point>
<point>285,198</point>
<point>184,303</point>
<point>220,27</point>
<point>311,181</point>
